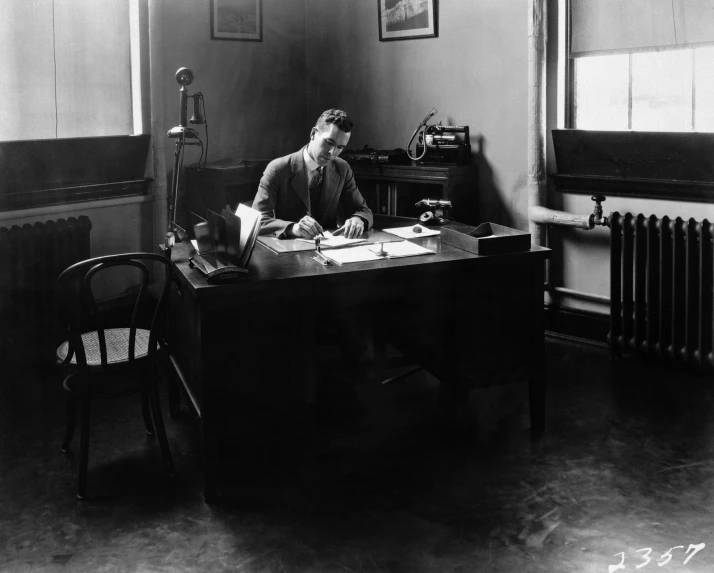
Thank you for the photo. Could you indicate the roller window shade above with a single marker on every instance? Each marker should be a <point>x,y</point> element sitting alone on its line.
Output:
<point>616,26</point>
<point>66,69</point>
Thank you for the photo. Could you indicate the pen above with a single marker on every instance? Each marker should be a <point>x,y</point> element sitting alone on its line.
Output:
<point>307,214</point>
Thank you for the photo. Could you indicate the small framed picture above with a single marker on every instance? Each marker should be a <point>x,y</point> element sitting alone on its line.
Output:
<point>407,19</point>
<point>236,20</point>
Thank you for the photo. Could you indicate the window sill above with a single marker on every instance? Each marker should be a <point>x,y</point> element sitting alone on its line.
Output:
<point>78,194</point>
<point>45,172</point>
<point>675,190</point>
<point>51,210</point>
<point>656,165</point>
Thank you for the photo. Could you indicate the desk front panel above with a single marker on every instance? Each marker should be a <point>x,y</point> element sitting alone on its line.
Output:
<point>247,348</point>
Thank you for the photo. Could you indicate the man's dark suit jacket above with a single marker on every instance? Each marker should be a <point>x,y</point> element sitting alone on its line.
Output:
<point>283,197</point>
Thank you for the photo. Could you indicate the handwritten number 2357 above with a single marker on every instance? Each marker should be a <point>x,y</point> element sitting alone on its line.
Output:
<point>666,556</point>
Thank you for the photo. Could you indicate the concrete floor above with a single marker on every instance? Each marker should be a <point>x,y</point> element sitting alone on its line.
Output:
<point>625,466</point>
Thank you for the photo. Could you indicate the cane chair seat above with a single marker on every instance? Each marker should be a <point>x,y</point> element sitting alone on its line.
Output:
<point>117,340</point>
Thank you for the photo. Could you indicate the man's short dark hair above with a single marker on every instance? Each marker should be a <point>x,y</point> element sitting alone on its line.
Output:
<point>336,116</point>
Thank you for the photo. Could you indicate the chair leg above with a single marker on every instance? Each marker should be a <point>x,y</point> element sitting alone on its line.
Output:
<point>159,425</point>
<point>146,408</point>
<point>71,419</point>
<point>83,447</point>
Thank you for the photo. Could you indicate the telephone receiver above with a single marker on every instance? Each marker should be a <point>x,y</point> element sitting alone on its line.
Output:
<point>432,113</point>
<point>422,128</point>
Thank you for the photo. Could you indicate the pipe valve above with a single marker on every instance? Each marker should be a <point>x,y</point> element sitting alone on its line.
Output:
<point>597,210</point>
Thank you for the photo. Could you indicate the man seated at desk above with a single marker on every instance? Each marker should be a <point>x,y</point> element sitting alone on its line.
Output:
<point>303,193</point>
<point>306,192</point>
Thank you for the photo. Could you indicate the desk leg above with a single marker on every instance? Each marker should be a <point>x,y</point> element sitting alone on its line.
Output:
<point>536,390</point>
<point>209,439</point>
<point>210,432</point>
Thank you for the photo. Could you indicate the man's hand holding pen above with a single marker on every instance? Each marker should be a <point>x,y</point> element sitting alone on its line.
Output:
<point>353,228</point>
<point>307,228</point>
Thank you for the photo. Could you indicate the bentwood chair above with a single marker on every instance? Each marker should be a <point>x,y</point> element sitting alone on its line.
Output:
<point>109,355</point>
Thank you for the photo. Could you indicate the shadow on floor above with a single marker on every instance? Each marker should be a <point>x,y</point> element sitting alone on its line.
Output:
<point>625,465</point>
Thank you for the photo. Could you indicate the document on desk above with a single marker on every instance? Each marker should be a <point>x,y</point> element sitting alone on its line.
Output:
<point>411,232</point>
<point>286,246</point>
<point>366,253</point>
<point>335,242</point>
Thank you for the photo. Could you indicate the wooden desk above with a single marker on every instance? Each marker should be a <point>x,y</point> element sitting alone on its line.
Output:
<point>447,178</point>
<point>245,348</point>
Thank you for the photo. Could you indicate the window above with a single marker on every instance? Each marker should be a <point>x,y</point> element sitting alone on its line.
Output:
<point>74,119</point>
<point>66,69</point>
<point>668,90</point>
<point>638,111</point>
<point>641,65</point>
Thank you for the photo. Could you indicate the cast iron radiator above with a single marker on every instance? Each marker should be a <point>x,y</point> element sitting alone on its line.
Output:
<point>31,259</point>
<point>661,288</point>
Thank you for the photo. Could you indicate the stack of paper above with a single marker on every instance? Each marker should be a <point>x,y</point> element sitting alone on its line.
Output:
<point>373,252</point>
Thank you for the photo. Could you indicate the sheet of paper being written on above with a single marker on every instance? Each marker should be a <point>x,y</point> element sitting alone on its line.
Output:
<point>332,241</point>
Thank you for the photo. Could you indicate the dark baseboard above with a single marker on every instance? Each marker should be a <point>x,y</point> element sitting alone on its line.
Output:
<point>578,325</point>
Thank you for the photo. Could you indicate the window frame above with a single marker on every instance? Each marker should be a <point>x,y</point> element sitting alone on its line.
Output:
<point>59,171</point>
<point>606,178</point>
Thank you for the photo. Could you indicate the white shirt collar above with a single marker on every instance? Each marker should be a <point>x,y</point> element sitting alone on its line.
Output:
<point>309,161</point>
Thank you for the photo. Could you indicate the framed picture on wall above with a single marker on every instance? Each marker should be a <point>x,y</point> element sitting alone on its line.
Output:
<point>236,20</point>
<point>407,19</point>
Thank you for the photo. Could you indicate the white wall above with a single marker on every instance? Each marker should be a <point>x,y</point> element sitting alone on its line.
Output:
<point>254,91</point>
<point>474,73</point>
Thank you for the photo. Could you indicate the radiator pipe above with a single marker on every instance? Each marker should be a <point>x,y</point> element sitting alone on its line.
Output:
<point>540,217</point>
<point>544,216</point>
<point>536,181</point>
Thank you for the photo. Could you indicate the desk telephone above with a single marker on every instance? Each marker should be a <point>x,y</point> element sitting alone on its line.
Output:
<point>434,214</point>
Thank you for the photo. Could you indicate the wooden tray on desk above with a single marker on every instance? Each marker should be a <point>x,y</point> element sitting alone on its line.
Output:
<point>486,239</point>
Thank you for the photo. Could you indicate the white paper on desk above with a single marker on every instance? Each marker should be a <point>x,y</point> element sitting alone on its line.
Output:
<point>333,242</point>
<point>408,232</point>
<point>400,249</point>
<point>357,254</point>
<point>364,253</point>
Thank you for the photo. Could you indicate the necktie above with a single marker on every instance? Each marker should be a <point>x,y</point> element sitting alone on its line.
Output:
<point>315,189</point>
<point>316,180</point>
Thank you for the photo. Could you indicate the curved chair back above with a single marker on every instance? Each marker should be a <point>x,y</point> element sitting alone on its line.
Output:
<point>80,312</point>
